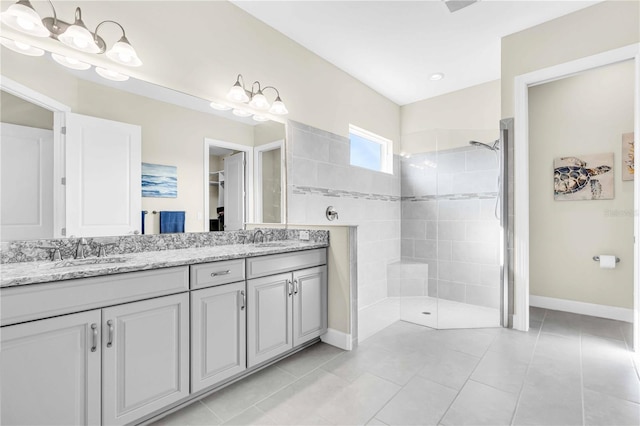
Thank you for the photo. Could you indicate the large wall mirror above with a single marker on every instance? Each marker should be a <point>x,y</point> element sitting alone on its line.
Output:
<point>222,171</point>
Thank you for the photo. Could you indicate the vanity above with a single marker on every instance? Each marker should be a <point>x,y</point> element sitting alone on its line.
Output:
<point>121,342</point>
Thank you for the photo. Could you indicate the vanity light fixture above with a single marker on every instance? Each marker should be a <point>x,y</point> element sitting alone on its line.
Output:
<point>70,62</point>
<point>22,17</point>
<point>24,48</point>
<point>111,75</point>
<point>255,97</point>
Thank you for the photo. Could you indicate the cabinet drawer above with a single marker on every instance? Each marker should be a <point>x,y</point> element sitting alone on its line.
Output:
<point>216,273</point>
<point>286,262</point>
<point>29,302</point>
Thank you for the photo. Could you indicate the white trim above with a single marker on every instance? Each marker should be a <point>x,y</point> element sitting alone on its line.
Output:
<point>59,111</point>
<point>583,308</point>
<point>257,188</point>
<point>248,170</point>
<point>338,339</point>
<point>521,179</point>
<point>28,94</point>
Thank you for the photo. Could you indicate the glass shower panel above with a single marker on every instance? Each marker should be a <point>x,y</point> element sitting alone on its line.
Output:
<point>468,228</point>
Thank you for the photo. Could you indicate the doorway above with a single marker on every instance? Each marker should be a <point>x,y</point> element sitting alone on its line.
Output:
<point>525,206</point>
<point>227,176</point>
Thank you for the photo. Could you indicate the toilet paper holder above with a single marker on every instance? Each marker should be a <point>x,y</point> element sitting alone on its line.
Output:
<point>597,259</point>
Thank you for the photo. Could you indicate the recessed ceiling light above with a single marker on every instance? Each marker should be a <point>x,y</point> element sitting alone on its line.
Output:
<point>437,76</point>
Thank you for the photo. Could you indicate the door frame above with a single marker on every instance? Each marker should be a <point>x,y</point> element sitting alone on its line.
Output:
<point>248,176</point>
<point>258,150</point>
<point>521,179</point>
<point>59,111</point>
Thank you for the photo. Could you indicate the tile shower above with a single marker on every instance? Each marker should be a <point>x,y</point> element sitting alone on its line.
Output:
<point>449,226</point>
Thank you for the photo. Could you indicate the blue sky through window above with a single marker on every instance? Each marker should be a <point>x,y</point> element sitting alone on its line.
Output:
<point>365,153</point>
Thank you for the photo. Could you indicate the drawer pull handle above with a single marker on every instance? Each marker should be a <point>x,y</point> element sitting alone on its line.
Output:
<point>290,285</point>
<point>110,342</point>
<point>217,274</point>
<point>94,328</point>
<point>244,300</point>
<point>295,286</point>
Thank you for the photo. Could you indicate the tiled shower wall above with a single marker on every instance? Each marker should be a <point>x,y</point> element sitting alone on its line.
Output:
<point>319,175</point>
<point>448,221</point>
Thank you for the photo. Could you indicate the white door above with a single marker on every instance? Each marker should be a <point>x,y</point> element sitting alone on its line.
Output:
<point>309,304</point>
<point>234,192</point>
<point>26,168</point>
<point>145,357</point>
<point>51,371</point>
<point>218,334</point>
<point>269,315</point>
<point>103,171</point>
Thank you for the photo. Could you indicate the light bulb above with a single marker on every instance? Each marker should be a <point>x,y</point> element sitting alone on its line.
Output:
<point>123,53</point>
<point>111,75</point>
<point>23,48</point>
<point>79,37</point>
<point>259,101</point>
<point>69,62</point>
<point>219,106</point>
<point>241,113</point>
<point>22,17</point>
<point>278,107</point>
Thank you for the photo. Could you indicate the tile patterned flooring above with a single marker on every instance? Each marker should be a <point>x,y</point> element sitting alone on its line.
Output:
<point>567,370</point>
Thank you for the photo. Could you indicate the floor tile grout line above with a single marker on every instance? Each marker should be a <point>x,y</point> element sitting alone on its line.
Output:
<point>526,374</point>
<point>211,411</point>
<point>466,381</point>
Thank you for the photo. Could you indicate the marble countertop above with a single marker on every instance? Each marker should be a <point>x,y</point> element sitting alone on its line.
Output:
<point>23,273</point>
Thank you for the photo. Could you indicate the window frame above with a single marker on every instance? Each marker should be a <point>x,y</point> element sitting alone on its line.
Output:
<point>386,151</point>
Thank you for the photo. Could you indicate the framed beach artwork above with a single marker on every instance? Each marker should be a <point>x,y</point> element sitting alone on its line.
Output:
<point>159,181</point>
<point>627,156</point>
<point>585,177</point>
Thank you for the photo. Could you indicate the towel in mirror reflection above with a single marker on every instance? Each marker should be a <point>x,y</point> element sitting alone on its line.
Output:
<point>171,222</point>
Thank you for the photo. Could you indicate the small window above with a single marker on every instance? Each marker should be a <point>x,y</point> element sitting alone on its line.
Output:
<point>370,151</point>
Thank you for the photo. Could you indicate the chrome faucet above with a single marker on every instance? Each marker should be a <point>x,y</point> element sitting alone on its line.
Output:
<point>257,233</point>
<point>82,243</point>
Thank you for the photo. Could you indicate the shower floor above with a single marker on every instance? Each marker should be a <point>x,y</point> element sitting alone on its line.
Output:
<point>443,314</point>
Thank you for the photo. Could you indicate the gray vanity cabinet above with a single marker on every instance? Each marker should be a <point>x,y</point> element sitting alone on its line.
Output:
<point>287,309</point>
<point>50,371</point>
<point>309,304</point>
<point>218,334</point>
<point>145,357</point>
<point>270,315</point>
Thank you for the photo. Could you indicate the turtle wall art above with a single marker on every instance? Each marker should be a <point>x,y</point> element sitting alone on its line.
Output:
<point>586,177</point>
<point>627,156</point>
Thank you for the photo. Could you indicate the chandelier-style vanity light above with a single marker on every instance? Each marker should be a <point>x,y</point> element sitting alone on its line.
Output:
<point>22,17</point>
<point>256,98</point>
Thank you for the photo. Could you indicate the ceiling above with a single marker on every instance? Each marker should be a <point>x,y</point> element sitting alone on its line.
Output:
<point>394,46</point>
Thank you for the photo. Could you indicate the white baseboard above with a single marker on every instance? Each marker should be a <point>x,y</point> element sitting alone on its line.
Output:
<point>583,308</point>
<point>338,339</point>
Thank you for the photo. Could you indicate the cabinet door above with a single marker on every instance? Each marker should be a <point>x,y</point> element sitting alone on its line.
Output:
<point>145,357</point>
<point>269,312</point>
<point>218,334</point>
<point>309,304</point>
<point>50,375</point>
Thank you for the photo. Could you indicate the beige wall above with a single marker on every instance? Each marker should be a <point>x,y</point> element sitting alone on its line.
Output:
<point>605,26</point>
<point>209,42</point>
<point>16,110</point>
<point>580,115</point>
<point>452,120</point>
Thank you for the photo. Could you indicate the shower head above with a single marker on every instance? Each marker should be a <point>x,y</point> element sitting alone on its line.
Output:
<point>494,147</point>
